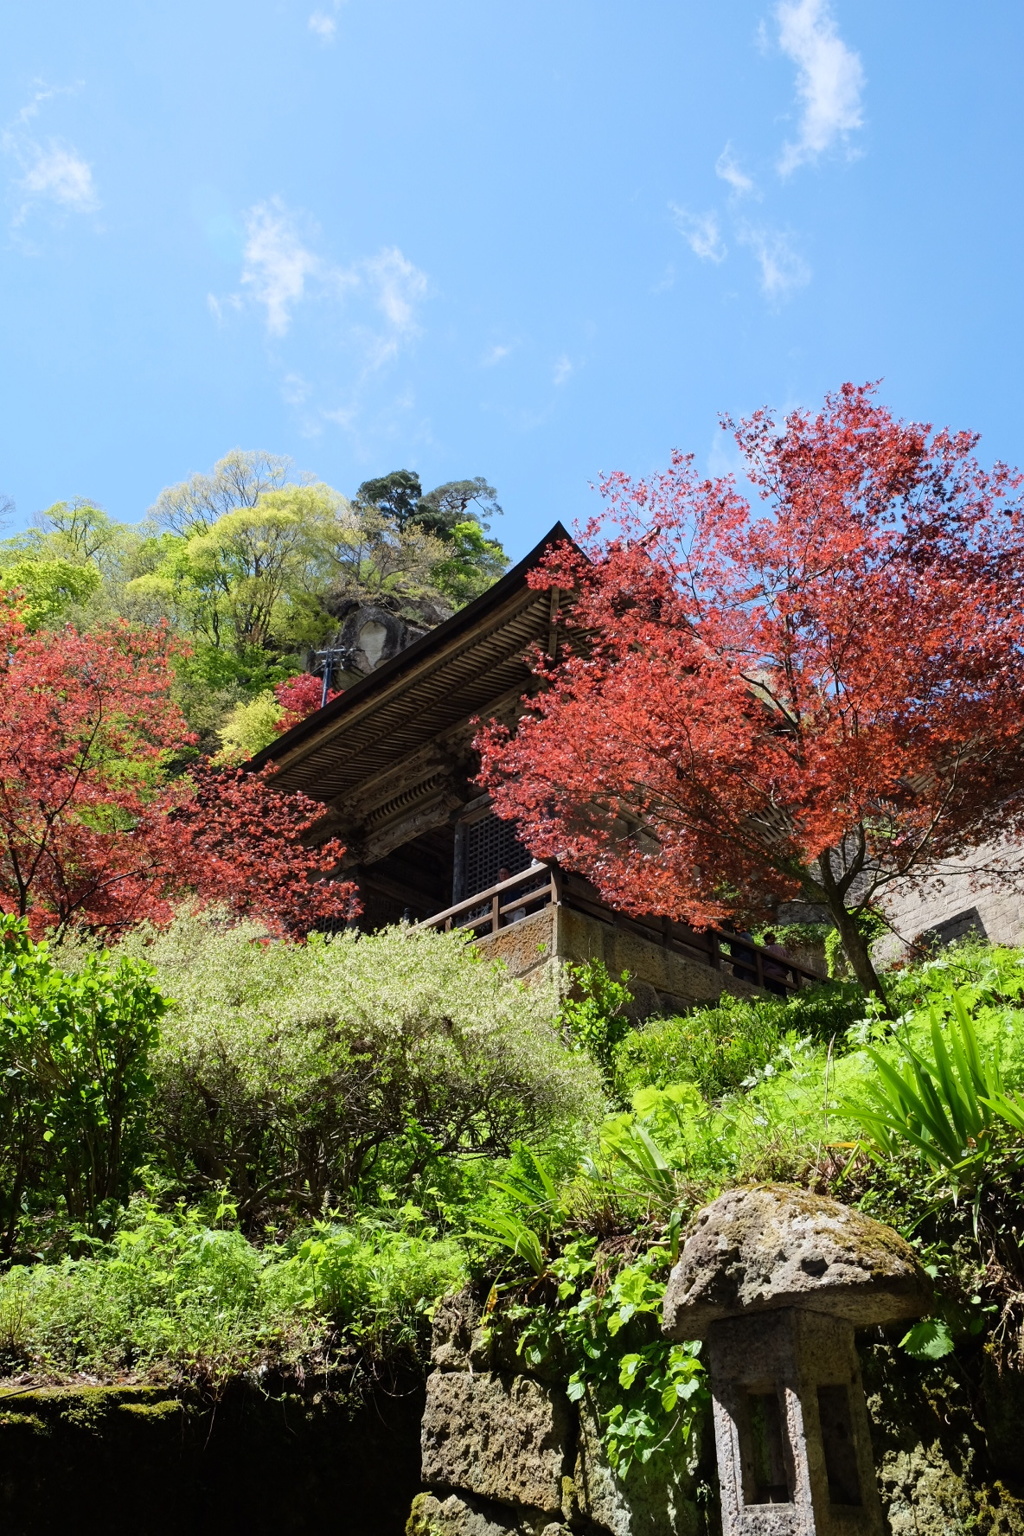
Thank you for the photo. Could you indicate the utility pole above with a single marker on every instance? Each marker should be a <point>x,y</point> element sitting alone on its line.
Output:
<point>324,662</point>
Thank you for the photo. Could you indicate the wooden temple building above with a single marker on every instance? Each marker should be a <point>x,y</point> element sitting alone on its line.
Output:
<point>392,758</point>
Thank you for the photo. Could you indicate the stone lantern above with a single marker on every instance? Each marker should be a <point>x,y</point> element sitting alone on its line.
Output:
<point>777,1280</point>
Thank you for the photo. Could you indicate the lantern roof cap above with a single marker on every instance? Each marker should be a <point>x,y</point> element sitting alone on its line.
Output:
<point>769,1246</point>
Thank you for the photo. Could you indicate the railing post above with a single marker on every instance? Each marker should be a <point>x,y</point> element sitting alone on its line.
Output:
<point>495,912</point>
<point>714,950</point>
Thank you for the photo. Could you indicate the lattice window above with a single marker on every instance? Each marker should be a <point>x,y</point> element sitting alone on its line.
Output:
<point>491,845</point>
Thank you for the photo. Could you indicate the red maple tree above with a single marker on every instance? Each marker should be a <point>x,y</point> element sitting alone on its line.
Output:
<point>807,700</point>
<point>299,697</point>
<point>94,829</point>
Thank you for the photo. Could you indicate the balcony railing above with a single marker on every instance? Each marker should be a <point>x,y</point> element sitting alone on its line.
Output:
<point>541,886</point>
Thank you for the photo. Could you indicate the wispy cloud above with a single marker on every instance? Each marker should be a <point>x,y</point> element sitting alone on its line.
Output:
<point>397,287</point>
<point>52,172</point>
<point>323,26</point>
<point>323,23</point>
<point>276,265</point>
<point>281,270</point>
<point>562,370</point>
<point>360,316</point>
<point>829,82</point>
<point>728,168</point>
<point>783,269</point>
<point>494,355</point>
<point>701,233</point>
<point>58,172</point>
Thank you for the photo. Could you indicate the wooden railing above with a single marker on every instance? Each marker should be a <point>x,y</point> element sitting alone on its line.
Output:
<point>545,885</point>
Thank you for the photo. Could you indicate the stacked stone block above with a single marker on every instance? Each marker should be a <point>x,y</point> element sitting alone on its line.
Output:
<point>505,1453</point>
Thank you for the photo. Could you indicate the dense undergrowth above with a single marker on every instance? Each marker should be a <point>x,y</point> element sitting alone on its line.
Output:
<point>314,1143</point>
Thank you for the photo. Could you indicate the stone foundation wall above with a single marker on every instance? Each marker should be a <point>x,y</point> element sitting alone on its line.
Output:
<point>506,1453</point>
<point>661,980</point>
<point>999,907</point>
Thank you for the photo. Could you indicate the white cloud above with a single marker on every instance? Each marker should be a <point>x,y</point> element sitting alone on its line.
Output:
<point>728,168</point>
<point>494,355</point>
<point>53,172</point>
<point>701,233</point>
<point>830,79</point>
<point>276,264</point>
<point>562,370</point>
<point>60,174</point>
<point>281,271</point>
<point>295,390</point>
<point>782,268</point>
<point>397,286</point>
<point>323,26</point>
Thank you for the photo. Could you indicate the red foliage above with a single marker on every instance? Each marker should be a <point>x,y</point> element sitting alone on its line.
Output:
<point>244,848</point>
<point>804,703</point>
<point>91,829</point>
<point>299,696</point>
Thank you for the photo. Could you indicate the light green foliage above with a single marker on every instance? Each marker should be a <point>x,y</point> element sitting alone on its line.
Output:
<point>930,1339</point>
<point>945,1101</point>
<point>250,726</point>
<point>377,1279</point>
<point>818,1070</point>
<point>467,564</point>
<point>719,1048</point>
<point>53,589</point>
<point>75,1082</point>
<point>593,1013</point>
<point>251,569</point>
<point>239,479</point>
<point>182,1294</point>
<point>794,936</point>
<point>292,1073</point>
<point>75,566</point>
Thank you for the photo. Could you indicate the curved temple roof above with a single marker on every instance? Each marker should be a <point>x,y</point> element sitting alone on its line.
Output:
<point>465,666</point>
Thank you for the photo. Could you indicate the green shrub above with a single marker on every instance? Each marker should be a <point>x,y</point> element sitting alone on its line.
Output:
<point>176,1296</point>
<point>594,1015</point>
<point>291,1075</point>
<point>722,1047</point>
<point>75,1082</point>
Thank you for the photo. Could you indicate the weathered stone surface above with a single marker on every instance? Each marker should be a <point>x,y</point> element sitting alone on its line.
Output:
<point>652,1500</point>
<point>459,1341</point>
<point>452,1516</point>
<point>791,1428</point>
<point>935,1472</point>
<point>497,1437</point>
<point>769,1246</point>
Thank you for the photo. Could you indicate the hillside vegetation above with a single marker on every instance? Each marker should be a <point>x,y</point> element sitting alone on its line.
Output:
<point>261,1155</point>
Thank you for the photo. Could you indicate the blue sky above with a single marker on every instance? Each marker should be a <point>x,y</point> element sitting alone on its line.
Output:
<point>532,241</point>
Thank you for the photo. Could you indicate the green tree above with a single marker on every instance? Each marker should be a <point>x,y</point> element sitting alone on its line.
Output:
<point>237,480</point>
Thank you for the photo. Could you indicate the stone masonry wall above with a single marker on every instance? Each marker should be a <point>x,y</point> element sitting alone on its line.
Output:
<point>661,980</point>
<point>999,907</point>
<point>507,1454</point>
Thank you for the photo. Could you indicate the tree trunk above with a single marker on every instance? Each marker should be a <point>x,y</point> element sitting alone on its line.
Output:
<point>857,951</point>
